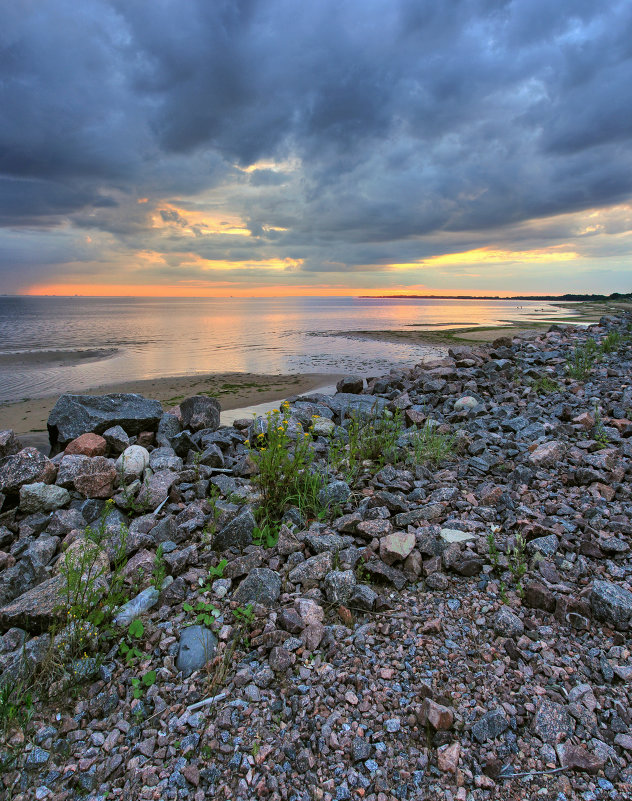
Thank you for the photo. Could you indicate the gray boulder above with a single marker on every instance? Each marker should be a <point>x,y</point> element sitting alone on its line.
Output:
<point>237,533</point>
<point>612,604</point>
<point>337,492</point>
<point>352,384</point>
<point>25,467</point>
<point>74,415</point>
<point>168,428</point>
<point>116,439</point>
<point>40,497</point>
<point>261,586</point>
<point>339,585</point>
<point>197,647</point>
<point>200,412</point>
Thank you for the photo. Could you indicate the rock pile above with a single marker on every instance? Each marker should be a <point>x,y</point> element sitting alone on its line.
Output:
<point>397,652</point>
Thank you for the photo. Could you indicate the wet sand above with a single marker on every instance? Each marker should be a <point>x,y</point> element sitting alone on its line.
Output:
<point>233,390</point>
<point>580,313</point>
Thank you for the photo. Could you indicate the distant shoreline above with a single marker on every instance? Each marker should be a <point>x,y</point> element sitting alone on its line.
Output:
<point>615,297</point>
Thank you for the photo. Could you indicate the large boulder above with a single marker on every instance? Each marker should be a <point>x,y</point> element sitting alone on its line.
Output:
<point>612,604</point>
<point>200,412</point>
<point>74,415</point>
<point>40,497</point>
<point>25,467</point>
<point>36,609</point>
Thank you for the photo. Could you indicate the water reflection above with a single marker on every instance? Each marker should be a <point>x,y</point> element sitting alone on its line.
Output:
<point>156,337</point>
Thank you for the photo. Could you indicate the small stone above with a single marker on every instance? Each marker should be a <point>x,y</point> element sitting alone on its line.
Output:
<point>116,438</point>
<point>312,635</point>
<point>448,757</point>
<point>132,462</point>
<point>142,603</point>
<point>310,572</point>
<point>197,647</point>
<point>396,547</point>
<point>237,533</point>
<point>280,659</point>
<point>624,741</point>
<point>393,725</point>
<point>506,624</point>
<point>438,716</point>
<point>576,757</point>
<point>465,403</point>
<point>352,384</point>
<point>361,749</point>
<point>88,444</point>
<point>548,454</point>
<point>200,412</point>
<point>9,444</point>
<point>338,585</point>
<point>451,535</point>
<point>261,585</point>
<point>546,546</point>
<point>552,722</point>
<point>36,759</point>
<point>490,726</point>
<point>334,494</point>
<point>25,467</point>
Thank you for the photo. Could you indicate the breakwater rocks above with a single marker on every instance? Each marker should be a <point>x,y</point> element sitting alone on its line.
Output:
<point>455,624</point>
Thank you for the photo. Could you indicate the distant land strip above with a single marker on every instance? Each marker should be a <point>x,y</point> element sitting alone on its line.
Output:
<point>613,296</point>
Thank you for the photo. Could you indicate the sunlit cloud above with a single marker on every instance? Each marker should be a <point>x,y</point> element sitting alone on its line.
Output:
<point>491,256</point>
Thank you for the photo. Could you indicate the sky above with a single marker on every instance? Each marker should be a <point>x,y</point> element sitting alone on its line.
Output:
<point>273,147</point>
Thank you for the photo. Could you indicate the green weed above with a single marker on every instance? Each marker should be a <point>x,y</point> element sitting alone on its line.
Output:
<point>160,571</point>
<point>581,360</point>
<point>285,476</point>
<point>205,613</point>
<point>429,445</point>
<point>267,535</point>
<point>545,385</point>
<point>127,648</point>
<point>144,683</point>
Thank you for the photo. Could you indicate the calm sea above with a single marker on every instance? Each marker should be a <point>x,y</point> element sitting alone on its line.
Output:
<point>54,345</point>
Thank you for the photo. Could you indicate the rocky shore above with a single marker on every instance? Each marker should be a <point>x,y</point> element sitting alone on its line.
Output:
<point>454,626</point>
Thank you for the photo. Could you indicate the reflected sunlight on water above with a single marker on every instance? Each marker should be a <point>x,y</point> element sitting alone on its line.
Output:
<point>157,337</point>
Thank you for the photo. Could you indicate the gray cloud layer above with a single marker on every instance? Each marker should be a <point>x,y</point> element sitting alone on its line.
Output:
<point>409,118</point>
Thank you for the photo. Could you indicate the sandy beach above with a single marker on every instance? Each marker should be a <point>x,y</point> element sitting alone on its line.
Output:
<point>233,390</point>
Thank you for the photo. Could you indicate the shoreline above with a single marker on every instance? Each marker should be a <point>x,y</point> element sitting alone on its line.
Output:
<point>233,390</point>
<point>581,313</point>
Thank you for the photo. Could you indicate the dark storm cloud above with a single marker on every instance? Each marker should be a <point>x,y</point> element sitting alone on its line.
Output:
<point>408,118</point>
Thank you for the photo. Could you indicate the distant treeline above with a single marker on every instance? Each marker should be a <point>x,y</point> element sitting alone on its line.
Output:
<point>613,296</point>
